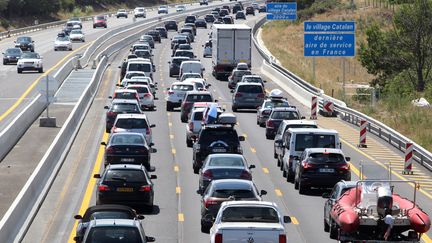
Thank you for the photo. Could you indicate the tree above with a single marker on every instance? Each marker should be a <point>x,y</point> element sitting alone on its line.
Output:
<point>407,47</point>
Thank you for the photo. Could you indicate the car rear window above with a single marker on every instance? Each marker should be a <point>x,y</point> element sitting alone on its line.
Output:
<point>110,215</point>
<point>304,141</point>
<point>190,18</point>
<point>143,67</point>
<point>250,214</point>
<point>276,103</point>
<point>326,158</point>
<point>141,90</point>
<point>132,123</point>
<point>184,54</point>
<point>100,17</point>
<point>242,73</point>
<point>125,175</point>
<point>127,139</point>
<point>125,108</point>
<point>198,116</point>
<point>143,54</point>
<point>199,98</point>
<point>182,87</point>
<point>235,193</point>
<point>114,234</point>
<point>226,161</point>
<point>130,75</point>
<point>285,115</point>
<point>253,79</point>
<point>125,95</point>
<point>250,89</point>
<point>208,136</point>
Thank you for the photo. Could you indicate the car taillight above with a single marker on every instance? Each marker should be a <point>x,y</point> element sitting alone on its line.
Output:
<point>270,124</point>
<point>260,95</point>
<point>218,238</point>
<point>208,174</point>
<point>209,202</point>
<point>115,95</point>
<point>246,175</point>
<point>145,188</point>
<point>191,126</point>
<point>141,150</point>
<point>109,150</point>
<point>238,95</point>
<point>170,92</point>
<point>266,112</point>
<point>306,165</point>
<point>344,167</point>
<point>110,113</point>
<point>282,238</point>
<point>147,95</point>
<point>148,131</point>
<point>103,188</point>
<point>137,96</point>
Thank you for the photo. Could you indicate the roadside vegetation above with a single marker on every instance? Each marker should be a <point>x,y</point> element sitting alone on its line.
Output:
<point>393,58</point>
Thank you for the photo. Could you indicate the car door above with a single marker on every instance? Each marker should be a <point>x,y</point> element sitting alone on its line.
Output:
<point>330,202</point>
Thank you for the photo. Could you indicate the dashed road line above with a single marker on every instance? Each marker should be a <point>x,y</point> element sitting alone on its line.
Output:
<point>181,217</point>
<point>253,150</point>
<point>176,168</point>
<point>294,220</point>
<point>178,190</point>
<point>278,193</point>
<point>265,170</point>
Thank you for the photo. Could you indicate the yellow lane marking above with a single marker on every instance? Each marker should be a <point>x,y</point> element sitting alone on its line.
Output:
<point>253,150</point>
<point>168,113</point>
<point>265,170</point>
<point>181,217</point>
<point>29,89</point>
<point>245,135</point>
<point>355,170</point>
<point>178,190</point>
<point>294,220</point>
<point>176,168</point>
<point>173,151</point>
<point>90,186</point>
<point>426,238</point>
<point>170,124</point>
<point>171,136</point>
<point>278,192</point>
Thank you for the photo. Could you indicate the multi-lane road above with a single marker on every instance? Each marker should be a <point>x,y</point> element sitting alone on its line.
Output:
<point>176,215</point>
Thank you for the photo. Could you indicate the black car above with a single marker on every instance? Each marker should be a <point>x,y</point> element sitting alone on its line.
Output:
<point>120,106</point>
<point>223,12</point>
<point>227,8</point>
<point>162,31</point>
<point>236,8</point>
<point>179,39</point>
<point>250,10</point>
<point>223,190</point>
<point>108,211</point>
<point>201,23</point>
<point>128,148</point>
<point>156,35</point>
<point>216,9</point>
<point>26,43</point>
<point>171,25</point>
<point>11,55</point>
<point>209,18</point>
<point>126,185</point>
<point>190,19</point>
<point>174,65</point>
<point>262,9</point>
<point>191,25</point>
<point>277,115</point>
<point>321,168</point>
<point>68,28</point>
<point>215,139</point>
<point>240,15</point>
<point>228,20</point>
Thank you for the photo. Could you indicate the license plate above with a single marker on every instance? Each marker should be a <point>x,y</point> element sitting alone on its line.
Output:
<point>127,159</point>
<point>125,189</point>
<point>250,99</point>
<point>219,150</point>
<point>326,170</point>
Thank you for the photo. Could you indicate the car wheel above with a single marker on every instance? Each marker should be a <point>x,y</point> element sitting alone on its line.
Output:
<point>205,229</point>
<point>333,231</point>
<point>183,119</point>
<point>302,189</point>
<point>19,70</point>
<point>234,109</point>
<point>105,26</point>
<point>40,70</point>
<point>107,130</point>
<point>94,27</point>
<point>289,175</point>
<point>278,162</point>
<point>296,181</point>
<point>4,62</point>
<point>55,49</point>
<point>195,169</point>
<point>189,143</point>
<point>274,154</point>
<point>284,173</point>
<point>326,226</point>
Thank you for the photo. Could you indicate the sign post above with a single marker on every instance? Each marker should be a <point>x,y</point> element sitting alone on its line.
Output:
<point>48,90</point>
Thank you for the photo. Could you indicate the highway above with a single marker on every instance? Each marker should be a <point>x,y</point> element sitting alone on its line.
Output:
<point>176,215</point>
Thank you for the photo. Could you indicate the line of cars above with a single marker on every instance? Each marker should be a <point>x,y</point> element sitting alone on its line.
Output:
<point>23,55</point>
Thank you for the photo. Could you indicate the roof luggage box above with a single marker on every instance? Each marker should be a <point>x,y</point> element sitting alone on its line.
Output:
<point>228,119</point>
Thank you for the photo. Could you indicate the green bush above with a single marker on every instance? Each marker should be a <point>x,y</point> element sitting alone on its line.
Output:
<point>5,23</point>
<point>88,10</point>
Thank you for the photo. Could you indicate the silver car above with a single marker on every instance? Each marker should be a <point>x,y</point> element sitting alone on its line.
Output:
<point>247,96</point>
<point>147,39</point>
<point>138,123</point>
<point>236,76</point>
<point>263,111</point>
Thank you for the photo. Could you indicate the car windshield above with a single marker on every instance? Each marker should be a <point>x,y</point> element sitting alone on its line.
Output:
<point>130,75</point>
<point>127,139</point>
<point>178,61</point>
<point>304,141</point>
<point>250,89</point>
<point>131,123</point>
<point>285,115</point>
<point>250,214</point>
<point>126,175</point>
<point>208,136</point>
<point>110,215</point>
<point>76,32</point>
<point>13,51</point>
<point>226,161</point>
<point>143,67</point>
<point>236,193</point>
<point>191,75</point>
<point>198,116</point>
<point>276,103</point>
<point>126,108</point>
<point>139,89</point>
<point>143,54</point>
<point>326,158</point>
<point>114,234</point>
<point>242,73</point>
<point>64,38</point>
<point>199,98</point>
<point>184,54</point>
<point>125,95</point>
<point>30,55</point>
<point>253,79</point>
<point>122,10</point>
<point>182,87</point>
<point>100,17</point>
<point>23,39</point>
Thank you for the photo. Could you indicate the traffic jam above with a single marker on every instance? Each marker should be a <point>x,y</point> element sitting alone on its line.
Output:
<point>233,207</point>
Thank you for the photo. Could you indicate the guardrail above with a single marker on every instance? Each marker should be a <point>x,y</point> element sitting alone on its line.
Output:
<point>389,135</point>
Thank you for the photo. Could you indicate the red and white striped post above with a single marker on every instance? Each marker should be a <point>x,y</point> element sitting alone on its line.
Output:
<point>408,159</point>
<point>363,131</point>
<point>314,108</point>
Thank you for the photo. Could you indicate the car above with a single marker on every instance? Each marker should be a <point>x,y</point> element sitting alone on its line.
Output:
<point>274,100</point>
<point>77,35</point>
<point>63,43</point>
<point>209,18</point>
<point>217,9</point>
<point>228,19</point>
<point>146,54</point>
<point>223,12</point>
<point>25,43</point>
<point>203,2</point>
<point>189,31</point>
<point>338,190</point>
<point>11,55</point>
<point>236,76</point>
<point>215,138</point>
<point>122,13</point>
<point>143,81</point>
<point>180,8</point>
<point>179,39</point>
<point>253,79</point>
<point>189,75</point>
<point>141,46</point>
<point>108,211</point>
<point>262,9</point>
<point>255,6</point>
<point>277,115</point>
<point>116,230</point>
<point>201,23</point>
<point>236,8</point>
<point>207,49</point>
<point>176,93</point>
<point>174,65</point>
<point>195,121</point>
<point>250,10</point>
<point>163,9</point>
<point>125,184</point>
<point>100,21</point>
<point>125,94</point>
<point>75,20</point>
<point>141,65</point>
<point>124,106</point>
<point>162,31</point>
<point>130,74</point>
<point>240,15</point>
<point>147,39</point>
<point>128,148</point>
<point>224,190</point>
<point>190,19</point>
<point>278,151</point>
<point>247,96</point>
<point>145,94</point>
<point>223,166</point>
<point>190,66</point>
<point>227,7</point>
<point>155,34</point>
<point>191,25</point>
<point>190,98</point>
<point>171,25</point>
<point>30,61</point>
<point>68,27</point>
<point>322,168</point>
<point>140,12</point>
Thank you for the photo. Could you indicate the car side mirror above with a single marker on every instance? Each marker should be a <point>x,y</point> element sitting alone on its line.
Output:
<point>140,217</point>
<point>76,238</point>
<point>348,158</point>
<point>287,219</point>
<point>103,143</point>
<point>169,62</point>
<point>150,239</point>
<point>153,125</point>
<point>252,166</point>
<point>199,192</point>
<point>106,107</point>
<point>109,97</point>
<point>151,144</point>
<point>325,195</point>
<point>241,138</point>
<point>153,177</point>
<point>263,192</point>
<point>265,81</point>
<point>97,176</point>
<point>119,66</point>
<point>153,150</point>
<point>77,216</point>
<point>303,117</point>
<point>232,91</point>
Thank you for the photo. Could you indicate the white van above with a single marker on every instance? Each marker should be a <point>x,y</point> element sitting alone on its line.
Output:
<point>299,139</point>
<point>191,67</point>
<point>142,65</point>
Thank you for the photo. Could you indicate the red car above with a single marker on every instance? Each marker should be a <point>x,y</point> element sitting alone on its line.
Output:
<point>99,21</point>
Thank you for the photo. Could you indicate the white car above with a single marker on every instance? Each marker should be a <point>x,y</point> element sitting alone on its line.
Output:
<point>145,95</point>
<point>248,221</point>
<point>77,35</point>
<point>145,81</point>
<point>139,12</point>
<point>129,75</point>
<point>199,83</point>
<point>189,75</point>
<point>176,94</point>
<point>207,51</point>
<point>30,61</point>
<point>180,8</point>
<point>63,43</point>
<point>122,13</point>
<point>163,9</point>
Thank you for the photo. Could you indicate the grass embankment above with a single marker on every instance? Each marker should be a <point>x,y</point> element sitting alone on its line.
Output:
<point>285,41</point>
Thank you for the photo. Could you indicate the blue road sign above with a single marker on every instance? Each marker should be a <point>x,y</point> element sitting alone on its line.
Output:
<point>339,27</point>
<point>281,17</point>
<point>329,45</point>
<point>282,11</point>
